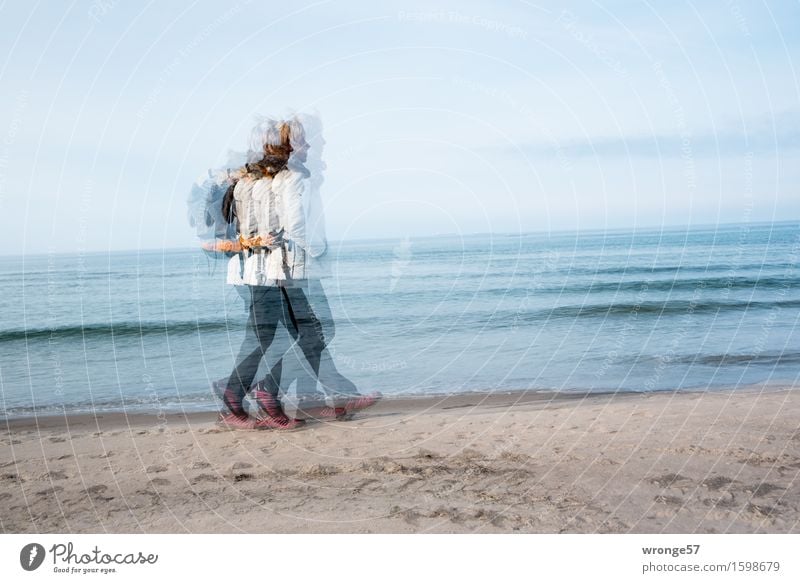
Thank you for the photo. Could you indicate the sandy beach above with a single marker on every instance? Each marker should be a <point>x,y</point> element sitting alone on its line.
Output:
<point>717,462</point>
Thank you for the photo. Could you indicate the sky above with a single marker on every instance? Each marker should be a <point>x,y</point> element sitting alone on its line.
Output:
<point>445,117</point>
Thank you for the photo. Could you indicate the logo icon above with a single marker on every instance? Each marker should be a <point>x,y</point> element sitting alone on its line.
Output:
<point>31,556</point>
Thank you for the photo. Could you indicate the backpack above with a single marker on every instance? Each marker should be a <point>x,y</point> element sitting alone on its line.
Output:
<point>205,213</point>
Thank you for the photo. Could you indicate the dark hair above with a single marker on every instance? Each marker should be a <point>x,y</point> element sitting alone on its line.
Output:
<point>274,159</point>
<point>228,208</point>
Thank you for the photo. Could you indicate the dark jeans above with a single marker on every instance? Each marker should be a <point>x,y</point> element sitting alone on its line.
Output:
<point>270,306</point>
<point>290,367</point>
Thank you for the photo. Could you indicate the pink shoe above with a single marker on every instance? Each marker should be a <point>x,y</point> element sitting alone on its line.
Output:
<point>362,402</point>
<point>231,400</point>
<point>282,423</point>
<point>325,412</point>
<point>268,403</point>
<point>232,421</point>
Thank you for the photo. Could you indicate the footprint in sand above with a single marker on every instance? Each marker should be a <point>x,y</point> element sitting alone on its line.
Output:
<point>518,458</point>
<point>726,500</point>
<point>97,491</point>
<point>55,475</point>
<point>669,500</point>
<point>763,511</point>
<point>667,480</point>
<point>204,478</point>
<point>50,491</point>
<point>763,489</point>
<point>717,482</point>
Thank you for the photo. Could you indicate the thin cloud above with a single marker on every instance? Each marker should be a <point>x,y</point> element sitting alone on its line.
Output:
<point>778,137</point>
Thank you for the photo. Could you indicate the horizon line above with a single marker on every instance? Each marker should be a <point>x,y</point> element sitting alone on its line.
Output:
<point>663,227</point>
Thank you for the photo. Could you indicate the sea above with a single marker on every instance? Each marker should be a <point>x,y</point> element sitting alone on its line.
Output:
<point>666,309</point>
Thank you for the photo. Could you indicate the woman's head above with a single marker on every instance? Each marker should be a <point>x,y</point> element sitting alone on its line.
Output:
<point>271,147</point>
<point>277,149</point>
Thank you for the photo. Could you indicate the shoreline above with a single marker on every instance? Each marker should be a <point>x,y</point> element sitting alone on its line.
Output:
<point>676,462</point>
<point>388,404</point>
<point>406,402</point>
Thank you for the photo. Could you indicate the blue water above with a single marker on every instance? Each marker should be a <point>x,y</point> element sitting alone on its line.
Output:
<point>630,311</point>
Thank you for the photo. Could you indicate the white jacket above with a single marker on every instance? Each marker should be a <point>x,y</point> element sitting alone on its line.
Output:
<point>266,206</point>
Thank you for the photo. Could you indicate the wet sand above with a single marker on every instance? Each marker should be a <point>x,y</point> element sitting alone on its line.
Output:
<point>718,462</point>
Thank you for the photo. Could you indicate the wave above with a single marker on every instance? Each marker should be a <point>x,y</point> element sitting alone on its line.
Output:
<point>696,267</point>
<point>195,402</point>
<point>770,358</point>
<point>468,320</point>
<point>120,329</point>
<point>710,283</point>
<point>666,308</point>
<point>519,289</point>
<point>403,321</point>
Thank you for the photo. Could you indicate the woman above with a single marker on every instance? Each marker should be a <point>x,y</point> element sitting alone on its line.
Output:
<point>266,203</point>
<point>306,159</point>
<point>275,262</point>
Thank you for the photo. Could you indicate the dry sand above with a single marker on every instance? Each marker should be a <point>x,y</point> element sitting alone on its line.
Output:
<point>717,462</point>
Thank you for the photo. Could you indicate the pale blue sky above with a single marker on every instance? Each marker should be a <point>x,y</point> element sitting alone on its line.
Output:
<point>440,117</point>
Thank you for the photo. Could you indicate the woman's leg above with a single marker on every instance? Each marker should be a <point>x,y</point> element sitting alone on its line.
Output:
<point>333,382</point>
<point>304,326</point>
<point>311,340</point>
<point>265,312</point>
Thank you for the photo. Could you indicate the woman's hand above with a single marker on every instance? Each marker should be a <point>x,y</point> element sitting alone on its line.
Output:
<point>222,246</point>
<point>270,241</point>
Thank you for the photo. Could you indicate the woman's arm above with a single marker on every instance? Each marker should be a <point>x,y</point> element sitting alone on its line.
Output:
<point>294,221</point>
<point>315,220</point>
